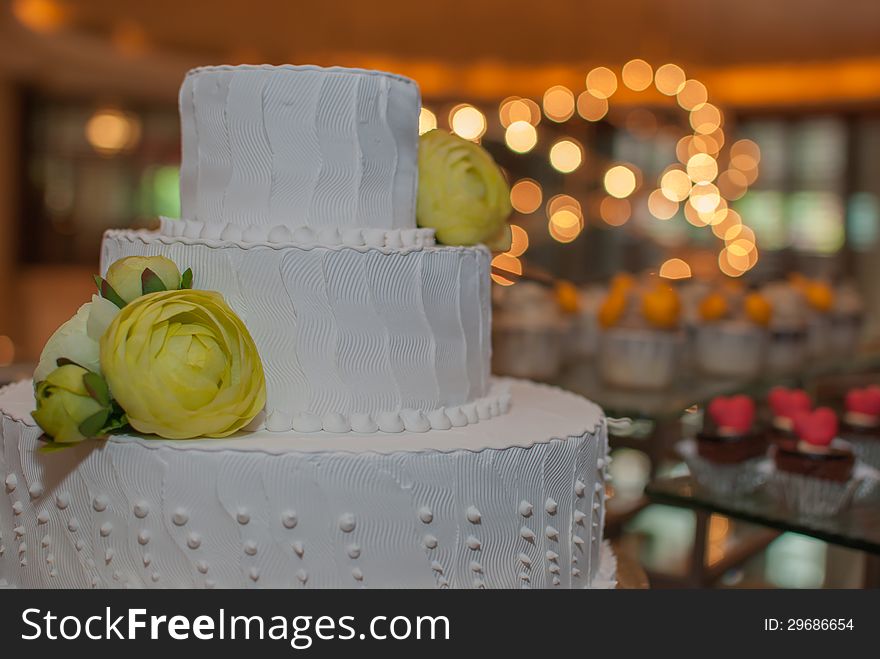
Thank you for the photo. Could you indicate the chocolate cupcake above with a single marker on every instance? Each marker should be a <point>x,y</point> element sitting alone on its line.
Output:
<point>814,472</point>
<point>861,423</point>
<point>785,405</point>
<point>729,435</point>
<point>729,453</point>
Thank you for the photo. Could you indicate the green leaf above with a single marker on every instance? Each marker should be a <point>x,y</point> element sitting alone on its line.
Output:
<point>186,280</point>
<point>91,427</point>
<point>99,281</point>
<point>97,388</point>
<point>117,421</point>
<point>108,293</point>
<point>151,283</point>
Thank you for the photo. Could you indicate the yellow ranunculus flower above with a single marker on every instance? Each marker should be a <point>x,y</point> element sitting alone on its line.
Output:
<point>183,365</point>
<point>462,193</point>
<point>63,403</point>
<point>125,274</point>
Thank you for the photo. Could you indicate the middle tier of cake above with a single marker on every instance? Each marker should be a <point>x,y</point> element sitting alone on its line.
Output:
<point>359,339</point>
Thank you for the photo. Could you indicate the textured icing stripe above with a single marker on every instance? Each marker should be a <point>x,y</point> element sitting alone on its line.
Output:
<point>150,513</point>
<point>283,235</point>
<point>356,339</point>
<point>299,146</point>
<point>559,412</point>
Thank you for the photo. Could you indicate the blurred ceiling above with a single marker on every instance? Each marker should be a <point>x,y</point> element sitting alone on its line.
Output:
<point>487,47</point>
<point>707,32</point>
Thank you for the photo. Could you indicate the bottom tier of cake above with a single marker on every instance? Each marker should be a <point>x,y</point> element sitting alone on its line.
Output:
<point>510,502</point>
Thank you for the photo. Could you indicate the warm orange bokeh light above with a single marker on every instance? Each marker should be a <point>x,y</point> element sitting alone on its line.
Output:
<point>669,79</point>
<point>620,181</point>
<point>637,74</point>
<point>521,137</point>
<point>519,242</point>
<point>427,121</point>
<point>702,168</point>
<point>566,156</point>
<point>706,118</point>
<point>615,212</point>
<point>661,207</point>
<point>591,108</point>
<point>39,15</point>
<point>526,196</point>
<point>692,94</point>
<point>675,269</point>
<point>467,121</point>
<point>558,103</point>
<point>675,185</point>
<point>602,82</point>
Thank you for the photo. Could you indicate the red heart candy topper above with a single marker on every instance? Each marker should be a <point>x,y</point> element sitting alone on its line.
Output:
<point>864,401</point>
<point>788,403</point>
<point>736,413</point>
<point>818,427</point>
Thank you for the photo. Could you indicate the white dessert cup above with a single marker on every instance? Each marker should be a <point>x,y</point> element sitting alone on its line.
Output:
<point>731,349</point>
<point>527,352</point>
<point>639,358</point>
<point>786,351</point>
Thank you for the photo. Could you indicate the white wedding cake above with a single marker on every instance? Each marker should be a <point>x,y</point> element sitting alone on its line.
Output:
<point>386,456</point>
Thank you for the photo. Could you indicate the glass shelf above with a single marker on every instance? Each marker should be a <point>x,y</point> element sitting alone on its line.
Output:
<point>856,528</point>
<point>691,389</point>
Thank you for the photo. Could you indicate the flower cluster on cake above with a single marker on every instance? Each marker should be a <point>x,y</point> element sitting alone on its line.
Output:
<point>148,353</point>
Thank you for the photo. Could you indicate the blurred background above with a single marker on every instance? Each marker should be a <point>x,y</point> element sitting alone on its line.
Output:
<point>688,138</point>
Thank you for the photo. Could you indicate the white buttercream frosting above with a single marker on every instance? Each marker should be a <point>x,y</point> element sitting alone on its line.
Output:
<point>355,338</point>
<point>514,502</point>
<point>299,146</point>
<point>283,235</point>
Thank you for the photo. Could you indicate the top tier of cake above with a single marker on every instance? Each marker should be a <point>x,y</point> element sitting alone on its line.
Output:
<point>299,146</point>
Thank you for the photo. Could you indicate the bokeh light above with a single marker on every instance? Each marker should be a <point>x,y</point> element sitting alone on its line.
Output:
<point>620,181</point>
<point>521,136</point>
<point>590,107</point>
<point>566,156</point>
<point>661,207</point>
<point>39,15</point>
<point>675,185</point>
<point>558,103</point>
<point>702,168</point>
<point>615,212</point>
<point>675,269</point>
<point>563,202</point>
<point>519,241</point>
<point>728,227</point>
<point>602,82</point>
<point>565,225</point>
<point>110,131</point>
<point>733,184</point>
<point>692,94</point>
<point>637,74</point>
<point>427,121</point>
<point>526,196</point>
<point>669,79</point>
<point>693,217</point>
<point>518,109</point>
<point>705,197</point>
<point>467,121</point>
<point>706,118</point>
